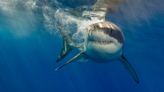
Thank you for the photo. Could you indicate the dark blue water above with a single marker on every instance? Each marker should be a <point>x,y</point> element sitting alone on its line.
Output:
<point>28,53</point>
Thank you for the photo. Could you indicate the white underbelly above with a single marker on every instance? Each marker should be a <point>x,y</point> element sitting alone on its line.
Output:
<point>103,51</point>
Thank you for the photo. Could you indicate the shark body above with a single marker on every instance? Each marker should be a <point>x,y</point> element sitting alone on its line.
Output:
<point>101,40</point>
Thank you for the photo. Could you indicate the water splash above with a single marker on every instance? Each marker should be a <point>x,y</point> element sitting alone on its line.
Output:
<point>21,15</point>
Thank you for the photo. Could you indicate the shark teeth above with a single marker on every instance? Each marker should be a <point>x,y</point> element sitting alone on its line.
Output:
<point>101,41</point>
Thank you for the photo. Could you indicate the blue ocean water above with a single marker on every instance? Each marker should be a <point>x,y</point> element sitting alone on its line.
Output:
<point>28,53</point>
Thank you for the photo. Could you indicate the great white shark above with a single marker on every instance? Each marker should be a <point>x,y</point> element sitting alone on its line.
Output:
<point>102,40</point>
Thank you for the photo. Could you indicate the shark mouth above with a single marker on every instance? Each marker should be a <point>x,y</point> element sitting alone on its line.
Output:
<point>105,33</point>
<point>98,41</point>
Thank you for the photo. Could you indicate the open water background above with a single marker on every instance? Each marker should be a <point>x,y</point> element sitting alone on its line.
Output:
<point>28,51</point>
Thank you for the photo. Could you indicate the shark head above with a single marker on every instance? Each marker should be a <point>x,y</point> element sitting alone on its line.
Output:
<point>105,41</point>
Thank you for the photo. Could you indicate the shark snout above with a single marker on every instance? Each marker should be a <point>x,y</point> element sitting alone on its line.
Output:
<point>105,32</point>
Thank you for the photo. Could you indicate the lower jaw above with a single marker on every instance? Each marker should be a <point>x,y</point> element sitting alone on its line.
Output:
<point>109,48</point>
<point>101,52</point>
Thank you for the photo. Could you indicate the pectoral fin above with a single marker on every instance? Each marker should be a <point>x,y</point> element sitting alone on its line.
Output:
<point>77,56</point>
<point>65,50</point>
<point>130,69</point>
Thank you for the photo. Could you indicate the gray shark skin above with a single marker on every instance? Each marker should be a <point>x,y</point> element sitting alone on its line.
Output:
<point>100,40</point>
